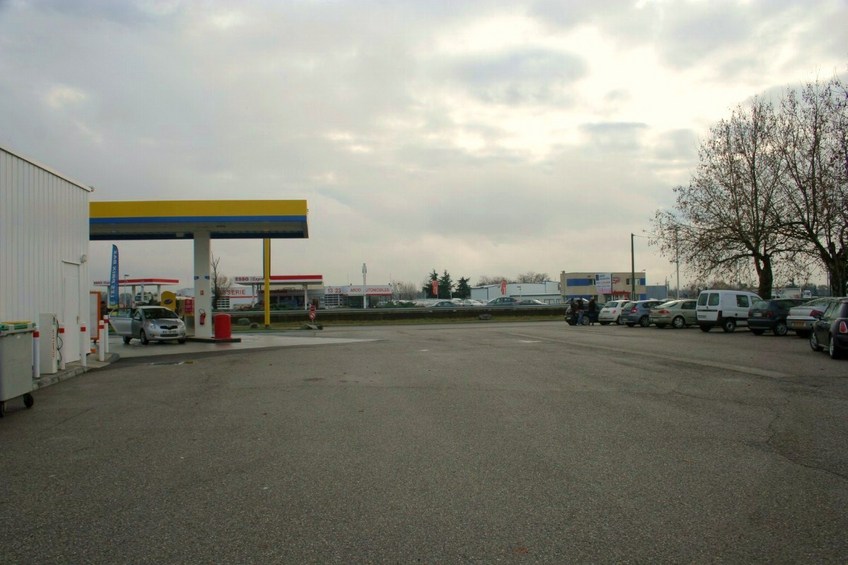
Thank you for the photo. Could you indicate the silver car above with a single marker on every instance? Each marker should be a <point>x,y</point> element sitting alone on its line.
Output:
<point>149,323</point>
<point>675,313</point>
<point>800,319</point>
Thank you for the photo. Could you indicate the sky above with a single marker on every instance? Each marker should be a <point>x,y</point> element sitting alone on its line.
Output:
<point>482,138</point>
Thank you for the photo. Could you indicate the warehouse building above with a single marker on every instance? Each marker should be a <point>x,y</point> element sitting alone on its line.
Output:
<point>44,252</point>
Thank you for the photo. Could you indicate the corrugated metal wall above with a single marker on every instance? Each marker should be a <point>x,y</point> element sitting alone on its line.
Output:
<point>43,224</point>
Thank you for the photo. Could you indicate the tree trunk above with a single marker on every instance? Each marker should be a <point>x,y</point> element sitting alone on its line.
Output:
<point>838,271</point>
<point>766,276</point>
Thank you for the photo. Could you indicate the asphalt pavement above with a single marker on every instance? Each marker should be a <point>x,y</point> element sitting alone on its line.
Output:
<point>472,443</point>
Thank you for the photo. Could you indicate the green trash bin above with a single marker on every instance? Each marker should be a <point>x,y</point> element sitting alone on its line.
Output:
<point>16,362</point>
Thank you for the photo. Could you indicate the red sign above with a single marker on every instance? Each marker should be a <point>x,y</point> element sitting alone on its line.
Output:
<point>435,288</point>
<point>312,312</point>
<point>503,286</point>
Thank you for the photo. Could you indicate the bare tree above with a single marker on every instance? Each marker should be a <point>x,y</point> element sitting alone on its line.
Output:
<point>814,142</point>
<point>220,283</point>
<point>532,278</point>
<point>486,280</point>
<point>406,290</point>
<point>727,220</point>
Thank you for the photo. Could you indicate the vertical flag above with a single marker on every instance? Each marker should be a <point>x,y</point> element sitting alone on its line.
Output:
<point>113,278</point>
<point>434,286</point>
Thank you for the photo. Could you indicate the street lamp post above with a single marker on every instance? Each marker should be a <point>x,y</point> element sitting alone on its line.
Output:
<point>364,288</point>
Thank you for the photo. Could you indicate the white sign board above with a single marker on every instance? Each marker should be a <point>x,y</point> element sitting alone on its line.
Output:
<point>603,283</point>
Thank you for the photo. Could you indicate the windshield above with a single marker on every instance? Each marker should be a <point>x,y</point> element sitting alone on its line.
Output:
<point>154,313</point>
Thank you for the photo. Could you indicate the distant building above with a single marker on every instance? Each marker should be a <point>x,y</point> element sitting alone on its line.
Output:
<point>547,292</point>
<point>602,286</point>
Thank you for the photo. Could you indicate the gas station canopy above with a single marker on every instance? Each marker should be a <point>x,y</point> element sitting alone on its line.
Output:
<point>181,219</point>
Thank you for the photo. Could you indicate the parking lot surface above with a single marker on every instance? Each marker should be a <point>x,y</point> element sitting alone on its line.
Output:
<point>502,442</point>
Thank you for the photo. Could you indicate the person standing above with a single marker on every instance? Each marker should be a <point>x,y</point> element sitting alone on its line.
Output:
<point>593,311</point>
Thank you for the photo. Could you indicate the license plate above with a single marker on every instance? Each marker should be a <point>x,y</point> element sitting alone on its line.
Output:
<point>758,314</point>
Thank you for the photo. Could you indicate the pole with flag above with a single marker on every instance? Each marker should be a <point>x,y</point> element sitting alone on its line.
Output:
<point>114,296</point>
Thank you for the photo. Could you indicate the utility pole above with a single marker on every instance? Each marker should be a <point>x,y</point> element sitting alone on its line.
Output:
<point>632,269</point>
<point>677,258</point>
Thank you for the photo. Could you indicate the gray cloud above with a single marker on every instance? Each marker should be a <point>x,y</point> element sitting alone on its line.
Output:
<point>523,77</point>
<point>487,161</point>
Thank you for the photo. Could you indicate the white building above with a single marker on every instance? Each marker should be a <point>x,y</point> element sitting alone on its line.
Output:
<point>44,234</point>
<point>547,292</point>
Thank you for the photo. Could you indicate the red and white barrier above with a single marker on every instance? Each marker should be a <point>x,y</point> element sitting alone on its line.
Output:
<point>36,353</point>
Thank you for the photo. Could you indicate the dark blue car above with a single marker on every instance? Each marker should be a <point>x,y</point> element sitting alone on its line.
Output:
<point>830,330</point>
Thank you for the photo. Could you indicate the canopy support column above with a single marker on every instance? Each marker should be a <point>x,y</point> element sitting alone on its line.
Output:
<point>202,285</point>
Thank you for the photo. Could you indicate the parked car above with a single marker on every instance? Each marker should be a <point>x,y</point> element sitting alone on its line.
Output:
<point>468,302</point>
<point>831,330</point>
<point>677,313</point>
<point>503,301</point>
<point>531,302</point>
<point>800,319</point>
<point>611,312</point>
<point>148,323</point>
<point>770,315</point>
<point>724,308</point>
<point>639,312</point>
<point>445,304</point>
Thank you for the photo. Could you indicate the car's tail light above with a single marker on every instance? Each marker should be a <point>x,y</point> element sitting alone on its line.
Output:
<point>843,327</point>
<point>663,311</point>
<point>768,314</point>
<point>634,309</point>
<point>814,313</point>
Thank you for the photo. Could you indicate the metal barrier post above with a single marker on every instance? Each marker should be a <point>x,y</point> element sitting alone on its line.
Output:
<point>101,356</point>
<point>36,353</point>
<point>61,339</point>
<point>85,346</point>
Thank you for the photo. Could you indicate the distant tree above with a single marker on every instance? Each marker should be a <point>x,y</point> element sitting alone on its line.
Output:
<point>406,291</point>
<point>532,278</point>
<point>445,286</point>
<point>462,288</point>
<point>728,218</point>
<point>487,280</point>
<point>220,283</point>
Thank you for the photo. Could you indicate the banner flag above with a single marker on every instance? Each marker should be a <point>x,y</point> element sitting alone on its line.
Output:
<point>114,296</point>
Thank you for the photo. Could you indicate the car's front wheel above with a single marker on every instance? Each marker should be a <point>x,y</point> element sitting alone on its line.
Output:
<point>143,338</point>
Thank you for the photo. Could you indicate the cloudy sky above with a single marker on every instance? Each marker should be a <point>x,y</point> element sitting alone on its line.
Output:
<point>485,138</point>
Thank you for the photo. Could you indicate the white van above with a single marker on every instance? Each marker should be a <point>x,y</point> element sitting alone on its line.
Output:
<point>724,308</point>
